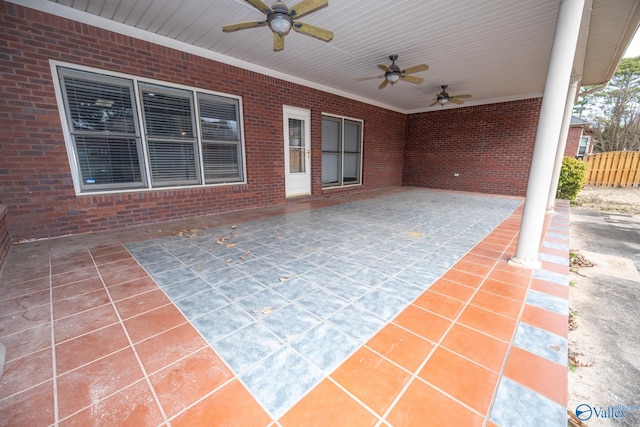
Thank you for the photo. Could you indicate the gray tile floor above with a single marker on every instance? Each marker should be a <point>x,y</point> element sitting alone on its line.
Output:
<point>285,300</point>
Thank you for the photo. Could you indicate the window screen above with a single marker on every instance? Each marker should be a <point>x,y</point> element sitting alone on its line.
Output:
<point>103,129</point>
<point>341,151</point>
<point>173,142</point>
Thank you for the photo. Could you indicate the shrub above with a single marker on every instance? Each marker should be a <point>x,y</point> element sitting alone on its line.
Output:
<point>572,178</point>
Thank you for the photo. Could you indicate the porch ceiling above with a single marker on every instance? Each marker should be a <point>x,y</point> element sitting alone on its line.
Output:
<point>495,50</point>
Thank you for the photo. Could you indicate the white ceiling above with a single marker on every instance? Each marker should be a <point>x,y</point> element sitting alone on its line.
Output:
<point>495,50</point>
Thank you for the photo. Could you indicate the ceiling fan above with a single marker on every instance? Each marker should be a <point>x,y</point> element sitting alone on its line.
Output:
<point>281,20</point>
<point>443,97</point>
<point>393,73</point>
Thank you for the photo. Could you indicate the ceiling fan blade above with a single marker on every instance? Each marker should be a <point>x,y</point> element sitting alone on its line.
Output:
<point>384,83</point>
<point>416,69</point>
<point>384,68</point>
<point>312,30</point>
<point>412,79</point>
<point>361,79</point>
<point>278,42</point>
<point>260,5</point>
<point>461,96</point>
<point>306,6</point>
<point>434,103</point>
<point>243,25</point>
<point>456,101</point>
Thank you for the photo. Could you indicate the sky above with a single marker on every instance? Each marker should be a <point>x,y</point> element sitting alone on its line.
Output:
<point>634,47</point>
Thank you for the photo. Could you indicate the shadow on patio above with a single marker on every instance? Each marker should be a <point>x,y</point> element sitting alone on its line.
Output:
<point>395,307</point>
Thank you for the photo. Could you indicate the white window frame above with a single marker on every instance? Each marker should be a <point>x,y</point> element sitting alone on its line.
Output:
<point>360,158</point>
<point>144,152</point>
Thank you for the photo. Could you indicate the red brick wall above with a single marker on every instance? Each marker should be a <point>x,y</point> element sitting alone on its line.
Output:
<point>488,146</point>
<point>35,177</point>
<point>573,141</point>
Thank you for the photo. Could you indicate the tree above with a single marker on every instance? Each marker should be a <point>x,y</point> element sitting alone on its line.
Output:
<point>614,110</point>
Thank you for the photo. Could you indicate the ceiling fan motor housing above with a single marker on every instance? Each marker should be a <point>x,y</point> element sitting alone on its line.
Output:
<point>279,15</point>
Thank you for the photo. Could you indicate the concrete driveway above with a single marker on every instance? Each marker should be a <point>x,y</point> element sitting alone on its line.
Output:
<point>606,301</point>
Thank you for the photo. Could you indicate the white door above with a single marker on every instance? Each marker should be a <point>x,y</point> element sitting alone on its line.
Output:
<point>297,151</point>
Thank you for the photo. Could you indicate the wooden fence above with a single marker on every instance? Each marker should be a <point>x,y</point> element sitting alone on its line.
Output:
<point>614,169</point>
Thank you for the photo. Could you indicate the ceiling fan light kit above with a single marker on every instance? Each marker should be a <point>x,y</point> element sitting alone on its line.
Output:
<point>281,20</point>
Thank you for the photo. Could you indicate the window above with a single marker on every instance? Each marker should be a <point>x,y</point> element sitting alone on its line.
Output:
<point>341,151</point>
<point>164,137</point>
<point>584,145</point>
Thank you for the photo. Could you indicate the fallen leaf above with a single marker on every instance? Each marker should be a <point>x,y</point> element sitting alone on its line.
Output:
<point>234,227</point>
<point>265,310</point>
<point>284,278</point>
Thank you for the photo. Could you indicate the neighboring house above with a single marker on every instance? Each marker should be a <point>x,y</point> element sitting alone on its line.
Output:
<point>579,139</point>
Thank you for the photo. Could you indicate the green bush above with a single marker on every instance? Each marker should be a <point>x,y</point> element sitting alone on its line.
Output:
<point>572,178</point>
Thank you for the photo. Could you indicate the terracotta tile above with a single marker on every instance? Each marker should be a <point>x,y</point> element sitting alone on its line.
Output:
<point>539,374</point>
<point>488,322</point>
<point>81,323</point>
<point>478,259</point>
<point>87,348</point>
<point>556,268</point>
<point>230,406</point>
<point>327,405</point>
<point>553,251</point>
<point>24,302</point>
<point>452,289</point>
<point>401,346</point>
<point>466,381</point>
<point>440,304</point>
<point>550,288</point>
<point>547,320</point>
<point>27,341</point>
<point>496,247</point>
<point>78,288</point>
<point>371,378</point>
<point>23,286</point>
<point>103,250</point>
<point>473,268</point>
<point>510,278</point>
<point>488,253</point>
<point>511,268</point>
<point>28,274</point>
<point>167,347</point>
<point>25,372</point>
<point>504,289</point>
<point>121,272</point>
<point>133,406</point>
<point>423,323</point>
<point>66,266</point>
<point>190,379</point>
<point>497,304</point>
<point>474,345</point>
<point>153,322</point>
<point>141,303</point>
<point>463,278</point>
<point>112,257</point>
<point>74,276</point>
<point>76,304</point>
<point>26,319</point>
<point>85,386</point>
<point>134,287</point>
<point>422,405</point>
<point>33,407</point>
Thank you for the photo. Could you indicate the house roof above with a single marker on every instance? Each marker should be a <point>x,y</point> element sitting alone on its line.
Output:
<point>577,121</point>
<point>494,50</point>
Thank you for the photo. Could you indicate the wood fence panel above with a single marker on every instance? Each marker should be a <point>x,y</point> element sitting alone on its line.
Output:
<point>614,169</point>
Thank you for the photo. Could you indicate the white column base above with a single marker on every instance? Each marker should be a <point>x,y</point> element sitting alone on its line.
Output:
<point>532,264</point>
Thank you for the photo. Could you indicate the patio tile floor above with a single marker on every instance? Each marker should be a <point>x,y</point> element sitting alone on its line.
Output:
<point>390,308</point>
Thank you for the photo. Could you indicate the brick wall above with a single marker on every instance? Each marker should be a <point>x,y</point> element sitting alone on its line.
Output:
<point>35,177</point>
<point>488,146</point>
<point>573,141</point>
